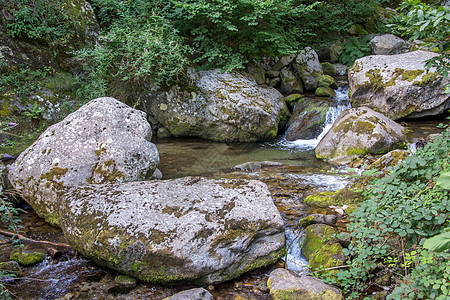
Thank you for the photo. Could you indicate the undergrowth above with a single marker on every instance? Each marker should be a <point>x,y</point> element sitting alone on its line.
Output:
<point>401,211</point>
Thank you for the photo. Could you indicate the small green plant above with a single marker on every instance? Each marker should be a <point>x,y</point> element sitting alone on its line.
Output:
<point>8,218</point>
<point>355,48</point>
<point>34,112</point>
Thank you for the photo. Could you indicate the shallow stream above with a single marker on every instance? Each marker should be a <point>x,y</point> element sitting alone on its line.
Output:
<point>290,169</point>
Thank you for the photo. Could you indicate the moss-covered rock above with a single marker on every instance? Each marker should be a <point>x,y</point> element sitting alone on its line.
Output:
<point>325,92</point>
<point>357,132</point>
<point>216,105</point>
<point>308,68</point>
<point>105,141</point>
<point>328,68</point>
<point>187,229</point>
<point>399,85</point>
<point>327,81</point>
<point>27,258</point>
<point>11,267</point>
<point>390,159</point>
<point>321,248</point>
<point>125,280</point>
<point>285,285</point>
<point>308,119</point>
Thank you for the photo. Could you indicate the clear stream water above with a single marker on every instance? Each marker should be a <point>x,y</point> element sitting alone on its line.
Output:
<point>297,174</point>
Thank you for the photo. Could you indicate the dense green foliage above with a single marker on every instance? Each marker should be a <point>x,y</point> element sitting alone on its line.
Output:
<point>401,212</point>
<point>151,42</point>
<point>43,22</point>
<point>431,24</point>
<point>355,48</point>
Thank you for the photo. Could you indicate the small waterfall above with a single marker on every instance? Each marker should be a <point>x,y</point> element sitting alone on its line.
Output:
<point>294,259</point>
<point>341,103</point>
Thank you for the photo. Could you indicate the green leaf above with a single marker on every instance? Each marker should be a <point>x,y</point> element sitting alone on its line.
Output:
<point>444,180</point>
<point>438,243</point>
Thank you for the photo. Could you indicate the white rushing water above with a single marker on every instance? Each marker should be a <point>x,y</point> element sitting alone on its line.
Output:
<point>295,261</point>
<point>341,103</point>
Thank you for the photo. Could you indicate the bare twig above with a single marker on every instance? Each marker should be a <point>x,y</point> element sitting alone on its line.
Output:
<point>404,259</point>
<point>7,233</point>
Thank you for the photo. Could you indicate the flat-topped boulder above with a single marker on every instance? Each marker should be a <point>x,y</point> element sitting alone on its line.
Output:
<point>219,106</point>
<point>188,229</point>
<point>105,141</point>
<point>399,86</point>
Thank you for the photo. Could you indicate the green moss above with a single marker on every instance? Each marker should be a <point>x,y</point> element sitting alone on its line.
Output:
<point>364,127</point>
<point>348,195</point>
<point>125,280</point>
<point>356,151</point>
<point>106,172</point>
<point>323,199</point>
<point>325,92</point>
<point>293,98</point>
<point>52,219</point>
<point>410,75</point>
<point>306,221</point>
<point>328,69</point>
<point>26,258</point>
<point>427,78</point>
<point>320,247</point>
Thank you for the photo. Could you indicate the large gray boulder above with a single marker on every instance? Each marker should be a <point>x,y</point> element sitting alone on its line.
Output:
<point>105,141</point>
<point>218,106</point>
<point>285,285</point>
<point>399,85</point>
<point>357,132</point>
<point>187,229</point>
<point>388,44</point>
<point>308,119</point>
<point>308,68</point>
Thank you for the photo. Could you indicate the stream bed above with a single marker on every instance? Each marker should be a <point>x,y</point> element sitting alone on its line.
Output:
<point>290,170</point>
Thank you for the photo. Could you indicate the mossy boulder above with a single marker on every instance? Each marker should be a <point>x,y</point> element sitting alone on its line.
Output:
<point>125,280</point>
<point>219,106</point>
<point>27,258</point>
<point>318,219</point>
<point>321,248</point>
<point>357,132</point>
<point>187,229</point>
<point>390,159</point>
<point>399,86</point>
<point>290,83</point>
<point>285,285</point>
<point>349,195</point>
<point>322,91</point>
<point>11,267</point>
<point>327,81</point>
<point>308,119</point>
<point>105,141</point>
<point>328,69</point>
<point>308,68</point>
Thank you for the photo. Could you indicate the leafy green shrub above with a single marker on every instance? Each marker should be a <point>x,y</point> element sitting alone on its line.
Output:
<point>44,21</point>
<point>401,212</point>
<point>12,80</point>
<point>132,55</point>
<point>430,279</point>
<point>431,24</point>
<point>355,48</point>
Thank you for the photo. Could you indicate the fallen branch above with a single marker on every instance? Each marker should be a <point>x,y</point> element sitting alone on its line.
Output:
<point>11,234</point>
